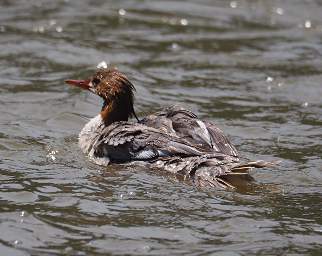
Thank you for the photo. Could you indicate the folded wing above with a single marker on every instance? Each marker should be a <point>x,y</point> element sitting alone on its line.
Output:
<point>168,133</point>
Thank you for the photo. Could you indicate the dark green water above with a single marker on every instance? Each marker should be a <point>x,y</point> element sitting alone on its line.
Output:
<point>252,67</point>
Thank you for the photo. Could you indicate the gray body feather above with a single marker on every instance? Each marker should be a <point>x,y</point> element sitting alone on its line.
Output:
<point>173,139</point>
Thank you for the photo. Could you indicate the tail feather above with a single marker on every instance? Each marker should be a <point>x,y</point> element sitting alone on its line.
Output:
<point>240,173</point>
<point>236,176</point>
<point>243,169</point>
<point>225,183</point>
<point>210,171</point>
<point>212,182</point>
<point>255,164</point>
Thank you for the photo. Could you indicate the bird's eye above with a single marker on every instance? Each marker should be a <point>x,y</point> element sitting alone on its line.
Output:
<point>95,81</point>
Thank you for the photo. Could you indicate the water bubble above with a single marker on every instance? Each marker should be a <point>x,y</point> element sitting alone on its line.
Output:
<point>184,22</point>
<point>59,29</point>
<point>279,11</point>
<point>102,64</point>
<point>269,79</point>
<point>307,24</point>
<point>233,4</point>
<point>122,12</point>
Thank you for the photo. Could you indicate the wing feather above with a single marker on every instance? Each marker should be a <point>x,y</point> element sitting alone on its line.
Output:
<point>171,132</point>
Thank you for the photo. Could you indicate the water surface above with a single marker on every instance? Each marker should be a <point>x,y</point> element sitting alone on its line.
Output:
<point>253,67</point>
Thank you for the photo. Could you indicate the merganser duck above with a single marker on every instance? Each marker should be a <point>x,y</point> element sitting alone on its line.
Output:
<point>173,139</point>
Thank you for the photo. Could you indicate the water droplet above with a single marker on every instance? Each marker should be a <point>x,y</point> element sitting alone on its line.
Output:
<point>102,64</point>
<point>40,29</point>
<point>22,213</point>
<point>52,154</point>
<point>68,249</point>
<point>269,88</point>
<point>307,24</point>
<point>146,248</point>
<point>174,46</point>
<point>59,29</point>
<point>173,21</point>
<point>305,104</point>
<point>122,12</point>
<point>279,11</point>
<point>184,22</point>
<point>269,79</point>
<point>16,242</point>
<point>164,19</point>
<point>233,4</point>
<point>52,22</point>
<point>280,84</point>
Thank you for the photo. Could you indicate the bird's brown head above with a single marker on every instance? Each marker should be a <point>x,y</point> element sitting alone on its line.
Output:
<point>116,90</point>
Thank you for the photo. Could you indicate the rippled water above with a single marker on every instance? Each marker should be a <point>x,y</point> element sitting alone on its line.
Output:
<point>253,67</point>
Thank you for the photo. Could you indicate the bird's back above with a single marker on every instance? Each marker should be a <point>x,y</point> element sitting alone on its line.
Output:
<point>173,139</point>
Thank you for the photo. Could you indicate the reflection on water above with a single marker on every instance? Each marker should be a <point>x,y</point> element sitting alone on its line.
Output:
<point>252,67</point>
